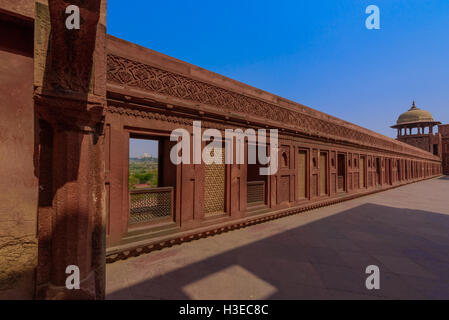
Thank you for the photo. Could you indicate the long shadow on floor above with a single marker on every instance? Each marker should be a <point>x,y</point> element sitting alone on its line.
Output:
<point>325,259</point>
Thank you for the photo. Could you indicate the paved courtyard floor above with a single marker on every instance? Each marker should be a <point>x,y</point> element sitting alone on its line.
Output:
<point>320,254</point>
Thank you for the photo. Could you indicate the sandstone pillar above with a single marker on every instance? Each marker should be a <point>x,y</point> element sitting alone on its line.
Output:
<point>70,99</point>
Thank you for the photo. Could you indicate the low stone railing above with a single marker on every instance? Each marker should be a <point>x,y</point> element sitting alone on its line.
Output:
<point>150,204</point>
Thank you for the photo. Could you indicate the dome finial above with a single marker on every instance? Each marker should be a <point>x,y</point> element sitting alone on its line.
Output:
<point>413,106</point>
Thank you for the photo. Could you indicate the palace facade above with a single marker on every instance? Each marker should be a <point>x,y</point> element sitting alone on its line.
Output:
<point>73,101</point>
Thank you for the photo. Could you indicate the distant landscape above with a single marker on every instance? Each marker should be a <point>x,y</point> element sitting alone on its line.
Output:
<point>143,173</point>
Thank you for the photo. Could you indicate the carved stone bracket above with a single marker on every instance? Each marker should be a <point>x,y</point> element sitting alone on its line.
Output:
<point>71,113</point>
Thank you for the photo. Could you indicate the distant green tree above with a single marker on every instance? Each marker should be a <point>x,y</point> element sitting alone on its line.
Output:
<point>142,172</point>
<point>133,180</point>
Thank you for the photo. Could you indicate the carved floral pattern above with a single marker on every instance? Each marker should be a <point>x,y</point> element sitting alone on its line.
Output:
<point>136,74</point>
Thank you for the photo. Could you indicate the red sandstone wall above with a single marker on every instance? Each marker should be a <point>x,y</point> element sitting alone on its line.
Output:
<point>18,182</point>
<point>23,8</point>
<point>152,94</point>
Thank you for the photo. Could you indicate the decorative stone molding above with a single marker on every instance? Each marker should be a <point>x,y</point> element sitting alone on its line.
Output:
<point>148,115</point>
<point>135,74</point>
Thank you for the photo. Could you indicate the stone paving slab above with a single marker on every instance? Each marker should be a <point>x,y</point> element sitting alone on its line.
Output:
<point>320,254</point>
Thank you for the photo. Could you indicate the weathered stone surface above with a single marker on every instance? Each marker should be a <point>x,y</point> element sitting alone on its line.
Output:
<point>21,7</point>
<point>18,181</point>
<point>18,257</point>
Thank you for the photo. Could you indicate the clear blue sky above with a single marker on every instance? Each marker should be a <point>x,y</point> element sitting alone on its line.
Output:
<point>318,53</point>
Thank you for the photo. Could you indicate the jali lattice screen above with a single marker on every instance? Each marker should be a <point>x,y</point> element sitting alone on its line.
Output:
<point>214,198</point>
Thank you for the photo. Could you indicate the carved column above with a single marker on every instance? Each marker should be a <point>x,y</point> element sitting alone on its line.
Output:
<point>70,100</point>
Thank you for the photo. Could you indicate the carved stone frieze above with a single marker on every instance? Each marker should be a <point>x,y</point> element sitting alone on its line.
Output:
<point>135,74</point>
